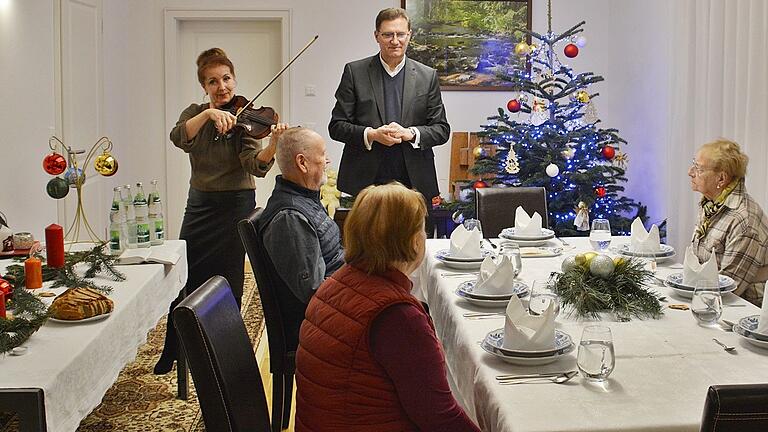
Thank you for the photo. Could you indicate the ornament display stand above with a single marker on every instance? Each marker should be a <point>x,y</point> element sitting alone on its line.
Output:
<point>75,176</point>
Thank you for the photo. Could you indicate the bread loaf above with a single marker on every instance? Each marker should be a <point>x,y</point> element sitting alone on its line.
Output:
<point>80,303</point>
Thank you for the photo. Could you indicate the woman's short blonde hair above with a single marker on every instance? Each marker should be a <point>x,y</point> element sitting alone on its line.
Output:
<point>725,155</point>
<point>380,229</point>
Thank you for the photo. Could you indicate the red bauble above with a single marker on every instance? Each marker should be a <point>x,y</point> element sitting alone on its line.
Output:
<point>5,287</point>
<point>600,191</point>
<point>608,152</point>
<point>571,50</point>
<point>479,184</point>
<point>54,164</point>
<point>513,105</point>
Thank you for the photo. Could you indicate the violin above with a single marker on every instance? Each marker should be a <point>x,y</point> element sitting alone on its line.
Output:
<point>258,122</point>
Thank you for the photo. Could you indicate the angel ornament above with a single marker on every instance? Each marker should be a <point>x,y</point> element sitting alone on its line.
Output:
<point>329,194</point>
<point>539,113</point>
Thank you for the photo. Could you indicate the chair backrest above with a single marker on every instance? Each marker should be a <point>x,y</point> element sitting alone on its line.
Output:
<point>496,206</point>
<point>736,408</point>
<point>221,359</point>
<point>283,312</point>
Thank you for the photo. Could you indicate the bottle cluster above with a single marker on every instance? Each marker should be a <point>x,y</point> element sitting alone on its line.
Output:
<point>135,221</point>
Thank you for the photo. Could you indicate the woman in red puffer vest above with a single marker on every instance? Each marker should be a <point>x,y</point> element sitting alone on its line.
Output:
<point>368,357</point>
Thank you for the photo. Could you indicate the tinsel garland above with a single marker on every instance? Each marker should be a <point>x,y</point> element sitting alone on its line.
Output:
<point>623,292</point>
<point>29,312</point>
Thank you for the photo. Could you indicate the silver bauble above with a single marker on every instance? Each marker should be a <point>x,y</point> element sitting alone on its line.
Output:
<point>568,263</point>
<point>602,266</point>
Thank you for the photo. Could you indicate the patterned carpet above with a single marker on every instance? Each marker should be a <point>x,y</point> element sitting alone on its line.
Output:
<point>141,401</point>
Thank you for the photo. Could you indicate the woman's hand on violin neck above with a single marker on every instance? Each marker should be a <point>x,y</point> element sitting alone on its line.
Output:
<point>277,130</point>
<point>222,120</point>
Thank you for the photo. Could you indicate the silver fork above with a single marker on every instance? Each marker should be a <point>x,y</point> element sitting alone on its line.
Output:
<point>557,379</point>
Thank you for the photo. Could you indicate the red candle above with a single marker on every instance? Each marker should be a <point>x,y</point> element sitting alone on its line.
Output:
<point>33,273</point>
<point>2,304</point>
<point>54,245</point>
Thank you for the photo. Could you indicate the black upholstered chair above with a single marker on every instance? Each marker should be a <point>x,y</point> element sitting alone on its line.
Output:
<point>220,356</point>
<point>496,206</point>
<point>283,313</point>
<point>736,408</point>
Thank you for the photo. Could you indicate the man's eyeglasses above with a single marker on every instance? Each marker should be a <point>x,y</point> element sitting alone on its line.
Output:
<point>401,36</point>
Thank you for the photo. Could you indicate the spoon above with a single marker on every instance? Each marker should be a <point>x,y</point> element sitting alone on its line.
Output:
<point>557,379</point>
<point>725,347</point>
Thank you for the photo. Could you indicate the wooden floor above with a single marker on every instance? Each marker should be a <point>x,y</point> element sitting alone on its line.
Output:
<point>262,355</point>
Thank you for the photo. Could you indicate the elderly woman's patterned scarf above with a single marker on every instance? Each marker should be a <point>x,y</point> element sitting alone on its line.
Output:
<point>713,207</point>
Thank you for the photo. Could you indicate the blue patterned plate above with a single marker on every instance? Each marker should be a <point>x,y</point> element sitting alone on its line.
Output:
<point>749,324</point>
<point>524,361</point>
<point>666,252</point>
<point>445,255</point>
<point>743,331</point>
<point>563,343</point>
<point>675,280</point>
<point>467,288</point>
<point>509,233</point>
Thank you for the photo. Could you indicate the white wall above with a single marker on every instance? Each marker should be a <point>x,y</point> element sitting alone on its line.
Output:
<point>625,46</point>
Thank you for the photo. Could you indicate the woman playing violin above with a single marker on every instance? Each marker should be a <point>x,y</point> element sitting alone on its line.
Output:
<point>224,159</point>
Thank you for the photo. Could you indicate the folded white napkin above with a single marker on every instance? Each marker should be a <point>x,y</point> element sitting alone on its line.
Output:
<point>643,241</point>
<point>527,225</point>
<point>526,332</point>
<point>693,271</point>
<point>495,278</point>
<point>466,244</point>
<point>762,324</point>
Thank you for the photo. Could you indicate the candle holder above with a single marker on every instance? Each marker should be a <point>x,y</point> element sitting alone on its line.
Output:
<point>74,177</point>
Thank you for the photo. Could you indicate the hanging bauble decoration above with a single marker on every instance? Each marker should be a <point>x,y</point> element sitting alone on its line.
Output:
<point>458,217</point>
<point>608,152</point>
<point>568,153</point>
<point>511,165</point>
<point>601,266</point>
<point>582,96</point>
<point>54,163</point>
<point>513,105</point>
<point>57,188</point>
<point>479,184</point>
<point>571,50</point>
<point>552,170</point>
<point>73,175</point>
<point>522,48</point>
<point>105,164</point>
<point>600,191</point>
<point>479,152</point>
<point>581,42</point>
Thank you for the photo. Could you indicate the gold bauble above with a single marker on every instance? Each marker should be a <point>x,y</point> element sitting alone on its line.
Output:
<point>582,96</point>
<point>618,261</point>
<point>522,48</point>
<point>105,164</point>
<point>589,256</point>
<point>478,152</point>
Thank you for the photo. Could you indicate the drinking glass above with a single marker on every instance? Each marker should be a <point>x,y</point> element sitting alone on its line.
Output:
<point>512,251</point>
<point>596,358</point>
<point>542,295</point>
<point>600,234</point>
<point>470,224</point>
<point>707,304</point>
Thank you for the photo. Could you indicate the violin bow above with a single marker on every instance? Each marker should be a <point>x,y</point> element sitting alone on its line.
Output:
<point>277,76</point>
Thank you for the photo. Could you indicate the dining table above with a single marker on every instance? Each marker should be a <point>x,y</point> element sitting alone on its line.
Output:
<point>67,367</point>
<point>663,367</point>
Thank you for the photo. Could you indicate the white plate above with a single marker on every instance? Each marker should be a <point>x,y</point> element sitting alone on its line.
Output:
<point>686,293</point>
<point>445,255</point>
<point>461,265</point>
<point>524,243</point>
<point>750,324</point>
<point>563,343</point>
<point>509,233</point>
<point>540,252</point>
<point>467,288</point>
<point>525,361</point>
<point>84,320</point>
<point>749,337</point>
<point>501,303</point>
<point>623,250</point>
<point>675,280</point>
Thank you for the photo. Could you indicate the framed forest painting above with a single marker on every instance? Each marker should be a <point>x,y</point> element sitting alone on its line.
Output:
<point>468,41</point>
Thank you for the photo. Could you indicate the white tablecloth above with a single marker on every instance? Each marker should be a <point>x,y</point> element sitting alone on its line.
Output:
<point>75,364</point>
<point>663,367</point>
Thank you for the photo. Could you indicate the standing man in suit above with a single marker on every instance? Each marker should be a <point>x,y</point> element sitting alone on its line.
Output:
<point>389,115</point>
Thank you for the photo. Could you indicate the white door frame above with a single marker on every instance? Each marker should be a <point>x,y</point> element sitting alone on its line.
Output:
<point>172,24</point>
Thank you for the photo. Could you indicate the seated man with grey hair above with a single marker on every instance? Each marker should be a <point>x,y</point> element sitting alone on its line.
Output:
<point>303,243</point>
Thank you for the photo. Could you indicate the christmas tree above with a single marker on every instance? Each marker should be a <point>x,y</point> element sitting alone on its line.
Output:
<point>558,144</point>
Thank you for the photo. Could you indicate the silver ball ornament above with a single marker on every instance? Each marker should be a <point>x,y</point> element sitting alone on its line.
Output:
<point>602,266</point>
<point>457,217</point>
<point>568,264</point>
<point>552,170</point>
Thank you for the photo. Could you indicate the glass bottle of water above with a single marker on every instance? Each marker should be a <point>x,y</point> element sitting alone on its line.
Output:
<point>130,215</point>
<point>116,223</point>
<point>142,217</point>
<point>157,224</point>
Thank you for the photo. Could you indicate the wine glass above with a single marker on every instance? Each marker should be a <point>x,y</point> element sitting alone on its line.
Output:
<point>707,303</point>
<point>596,358</point>
<point>600,234</point>
<point>542,295</point>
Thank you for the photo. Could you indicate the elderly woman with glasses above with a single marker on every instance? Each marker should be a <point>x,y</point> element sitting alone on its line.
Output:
<point>368,357</point>
<point>730,221</point>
